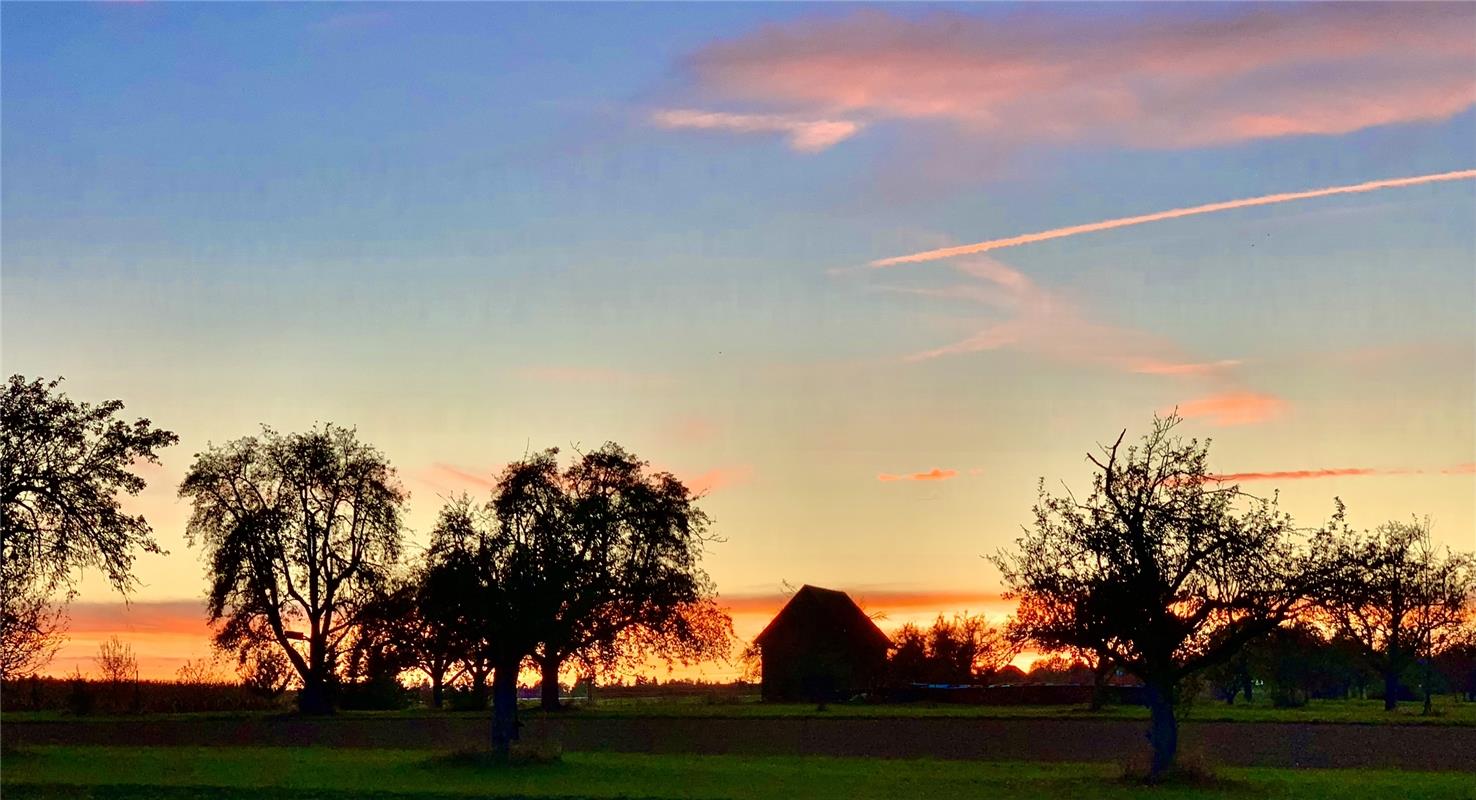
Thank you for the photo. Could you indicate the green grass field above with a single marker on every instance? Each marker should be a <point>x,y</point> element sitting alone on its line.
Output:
<point>122,772</point>
<point>1449,710</point>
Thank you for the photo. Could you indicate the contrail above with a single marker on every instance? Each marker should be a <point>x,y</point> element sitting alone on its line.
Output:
<point>1123,222</point>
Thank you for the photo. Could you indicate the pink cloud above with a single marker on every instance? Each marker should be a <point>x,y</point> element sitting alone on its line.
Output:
<point>1297,474</point>
<point>1339,472</point>
<point>719,478</point>
<point>1049,323</point>
<point>805,135</point>
<point>1234,408</point>
<point>934,474</point>
<point>1162,78</point>
<point>1200,369</point>
<point>450,476</point>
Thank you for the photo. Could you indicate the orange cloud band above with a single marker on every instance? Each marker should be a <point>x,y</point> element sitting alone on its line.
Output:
<point>890,599</point>
<point>1210,208</point>
<point>1339,472</point>
<point>934,474</point>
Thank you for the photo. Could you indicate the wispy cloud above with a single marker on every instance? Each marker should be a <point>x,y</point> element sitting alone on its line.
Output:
<point>718,478</point>
<point>804,135</point>
<point>1045,321</point>
<point>1200,369</point>
<point>1209,208</point>
<point>934,474</point>
<point>450,477</point>
<point>1167,77</point>
<point>1340,472</point>
<point>1233,408</point>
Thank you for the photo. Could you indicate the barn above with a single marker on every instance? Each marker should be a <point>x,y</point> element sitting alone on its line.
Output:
<point>821,647</point>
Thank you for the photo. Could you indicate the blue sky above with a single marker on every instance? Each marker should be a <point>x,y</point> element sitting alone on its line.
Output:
<point>473,229</point>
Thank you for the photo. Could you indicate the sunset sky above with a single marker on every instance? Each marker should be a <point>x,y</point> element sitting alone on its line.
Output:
<point>475,230</point>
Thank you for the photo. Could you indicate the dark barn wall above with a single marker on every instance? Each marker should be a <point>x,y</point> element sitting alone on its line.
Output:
<point>822,668</point>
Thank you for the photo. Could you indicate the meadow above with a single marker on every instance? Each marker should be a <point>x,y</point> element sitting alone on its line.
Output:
<point>301,773</point>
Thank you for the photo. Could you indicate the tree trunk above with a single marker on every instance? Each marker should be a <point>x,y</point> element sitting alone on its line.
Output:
<point>504,708</point>
<point>314,699</point>
<point>438,689</point>
<point>1391,689</point>
<point>1099,682</point>
<point>1250,686</point>
<point>1163,733</point>
<point>1429,705</point>
<point>479,688</point>
<point>550,697</point>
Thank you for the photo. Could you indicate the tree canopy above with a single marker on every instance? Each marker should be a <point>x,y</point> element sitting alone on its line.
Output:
<point>300,532</point>
<point>1162,568</point>
<point>63,467</point>
<point>1405,599</point>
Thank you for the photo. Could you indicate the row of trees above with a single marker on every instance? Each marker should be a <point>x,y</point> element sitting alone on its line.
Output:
<point>594,564</point>
<point>1165,571</point>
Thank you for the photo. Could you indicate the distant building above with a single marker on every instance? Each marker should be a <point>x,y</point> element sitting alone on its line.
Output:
<point>821,646</point>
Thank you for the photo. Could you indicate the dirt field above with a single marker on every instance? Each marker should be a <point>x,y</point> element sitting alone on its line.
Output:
<point>1231,744</point>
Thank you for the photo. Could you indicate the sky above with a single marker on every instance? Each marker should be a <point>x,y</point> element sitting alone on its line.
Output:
<point>707,232</point>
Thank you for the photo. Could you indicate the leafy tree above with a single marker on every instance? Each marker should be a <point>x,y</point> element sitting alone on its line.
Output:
<point>300,531</point>
<point>63,466</point>
<point>1159,569</point>
<point>622,557</point>
<point>502,601</point>
<point>965,649</point>
<point>1403,601</point>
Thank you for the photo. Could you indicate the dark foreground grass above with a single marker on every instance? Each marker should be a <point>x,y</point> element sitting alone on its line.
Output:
<point>1449,710</point>
<point>123,773</point>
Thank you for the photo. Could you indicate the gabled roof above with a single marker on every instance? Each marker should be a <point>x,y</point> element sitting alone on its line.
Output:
<point>813,607</point>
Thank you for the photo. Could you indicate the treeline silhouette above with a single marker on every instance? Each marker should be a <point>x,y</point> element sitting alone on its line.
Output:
<point>1161,575</point>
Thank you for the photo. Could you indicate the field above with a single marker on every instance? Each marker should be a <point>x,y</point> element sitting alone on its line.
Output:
<point>1449,709</point>
<point>301,773</point>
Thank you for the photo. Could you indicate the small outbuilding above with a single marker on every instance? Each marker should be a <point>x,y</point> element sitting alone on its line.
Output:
<point>821,647</point>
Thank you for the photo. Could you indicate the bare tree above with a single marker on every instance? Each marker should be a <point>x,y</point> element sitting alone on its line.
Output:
<point>63,466</point>
<point>1159,569</point>
<point>199,672</point>
<point>116,662</point>
<point>301,531</point>
<point>1403,601</point>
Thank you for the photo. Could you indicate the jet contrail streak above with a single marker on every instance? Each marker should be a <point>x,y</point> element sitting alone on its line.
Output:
<point>1123,222</point>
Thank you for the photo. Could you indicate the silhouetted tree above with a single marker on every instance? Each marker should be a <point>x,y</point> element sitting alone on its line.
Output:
<point>964,649</point>
<point>1158,569</point>
<point>1403,600</point>
<point>63,465</point>
<point>301,531</point>
<point>504,604</point>
<point>622,552</point>
<point>420,624</point>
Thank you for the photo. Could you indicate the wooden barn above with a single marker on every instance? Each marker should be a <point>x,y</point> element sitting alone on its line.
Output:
<point>821,647</point>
